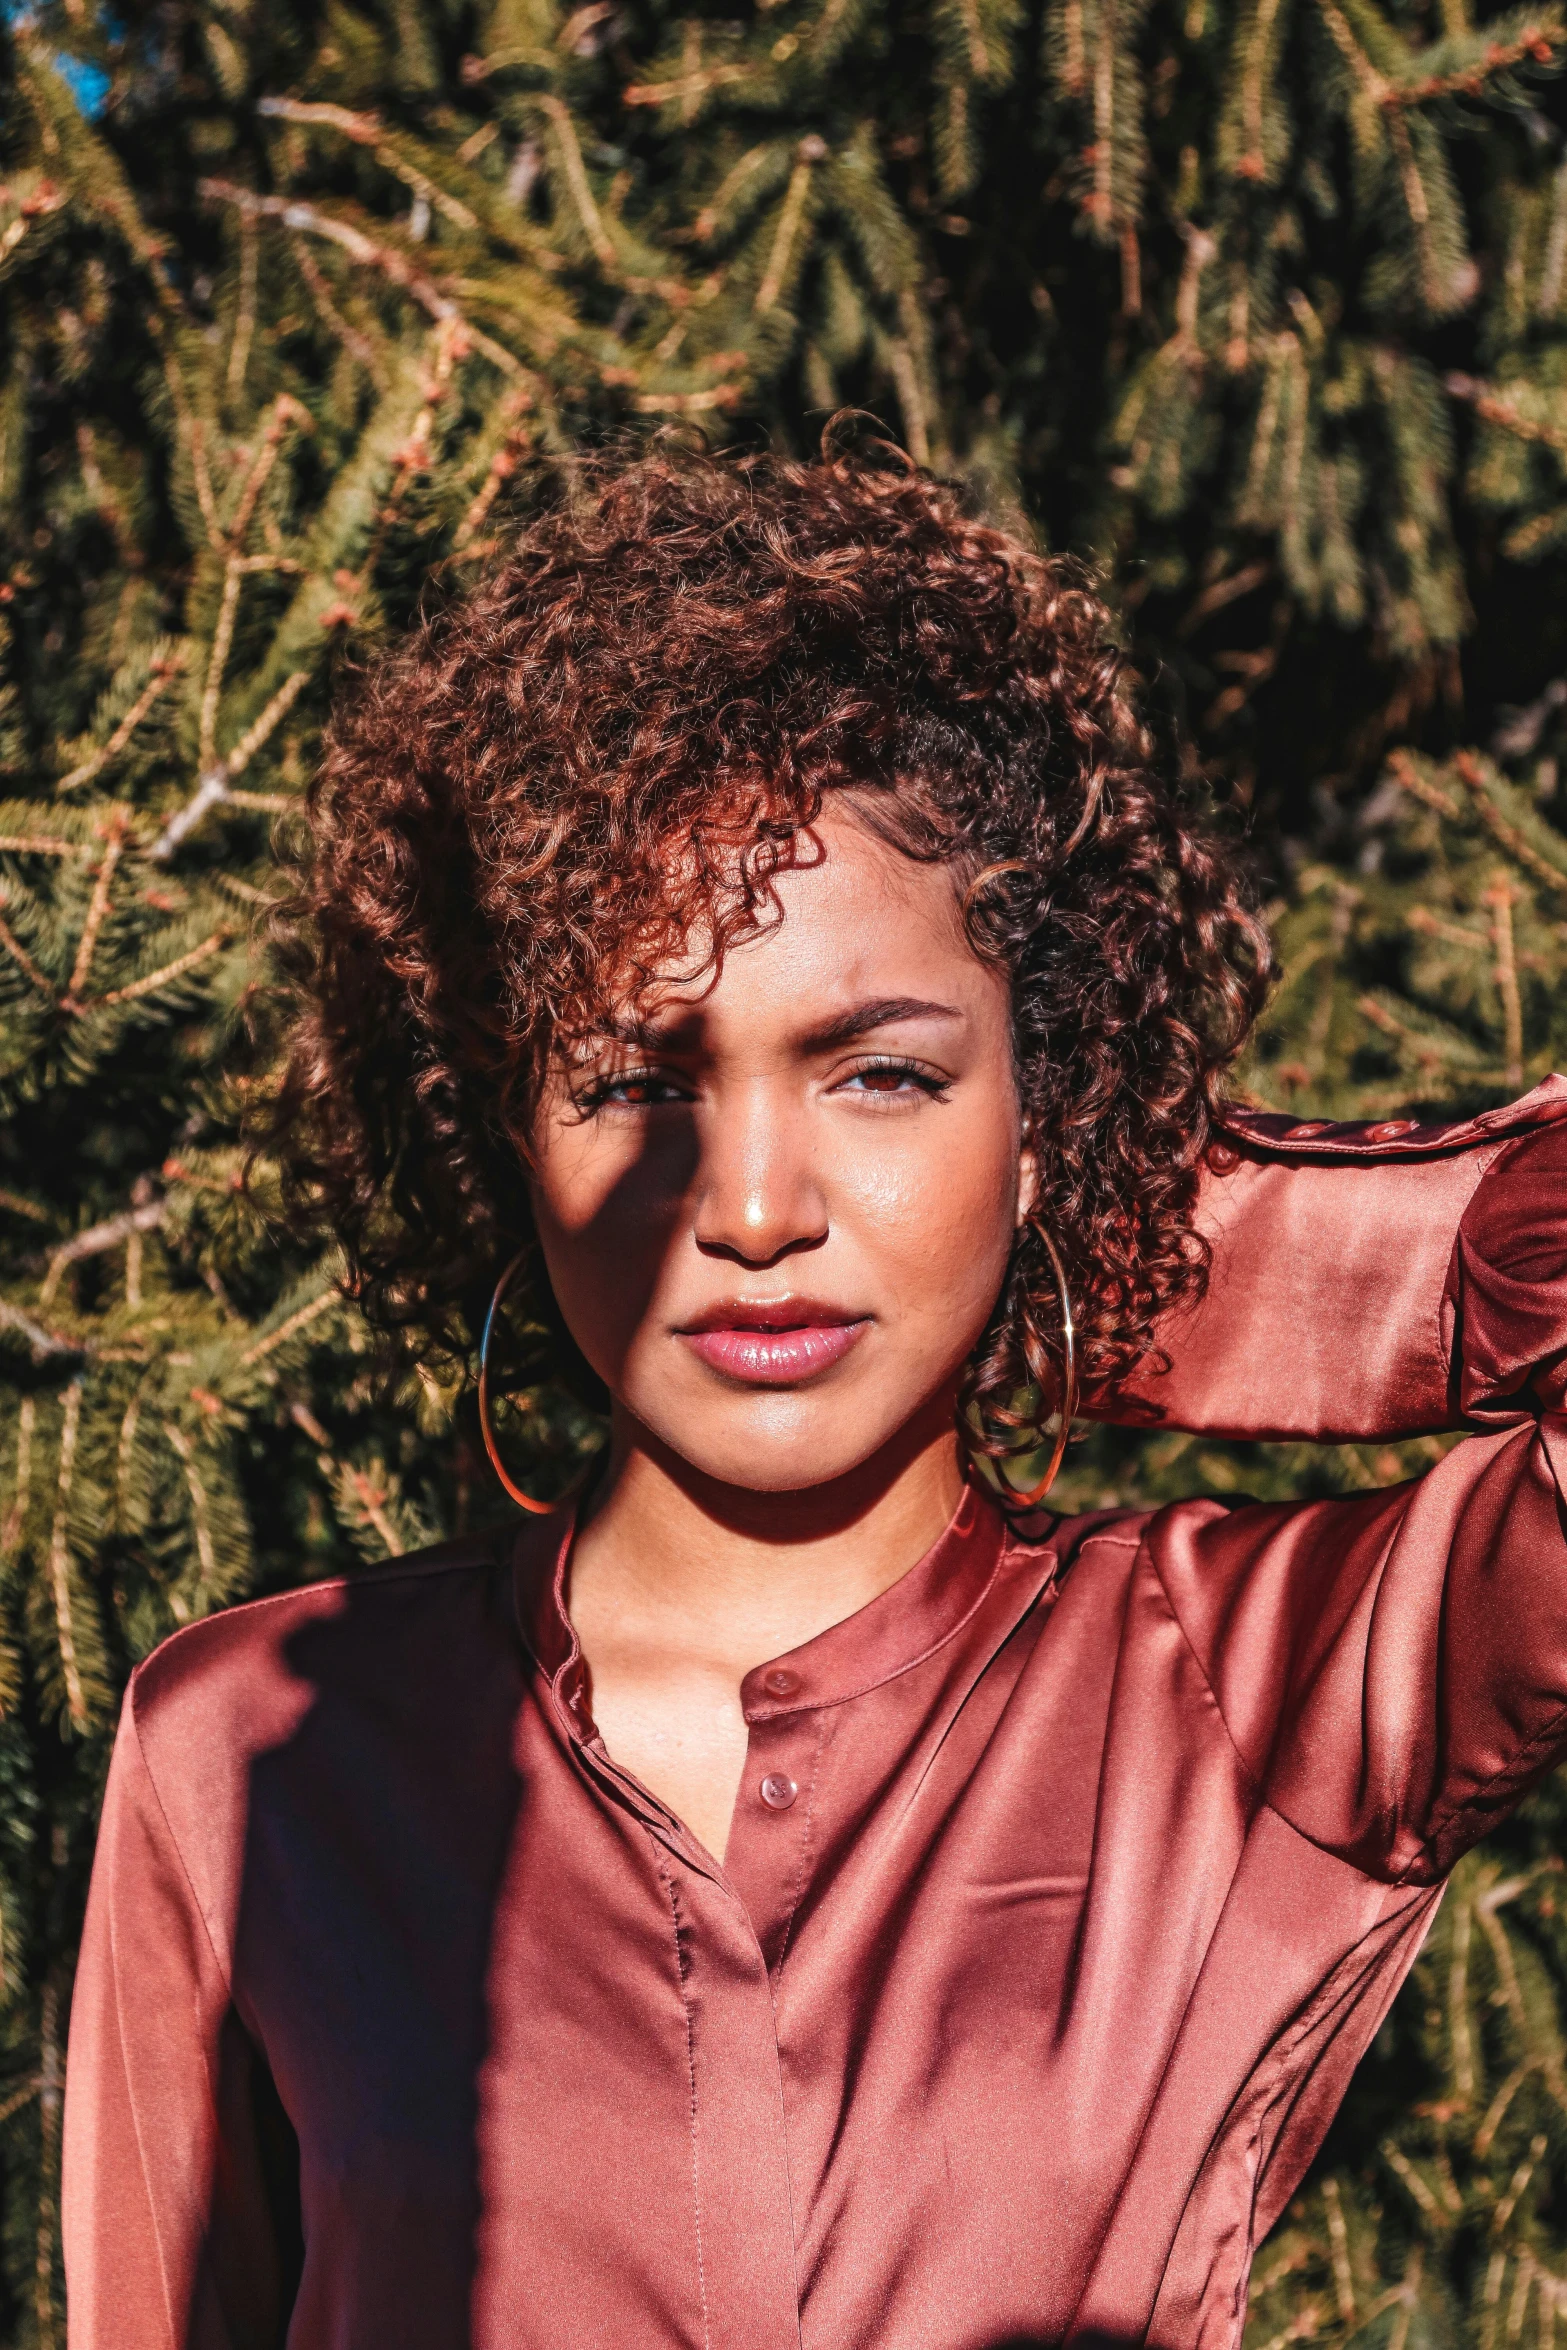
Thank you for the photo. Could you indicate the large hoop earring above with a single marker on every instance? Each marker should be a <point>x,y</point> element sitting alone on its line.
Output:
<point>1039,1371</point>
<point>540,1509</point>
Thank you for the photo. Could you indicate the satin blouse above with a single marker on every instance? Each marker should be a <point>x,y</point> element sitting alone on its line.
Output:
<point>1067,1883</point>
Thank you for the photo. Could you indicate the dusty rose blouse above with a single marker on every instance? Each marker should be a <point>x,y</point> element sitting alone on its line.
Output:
<point>1068,1880</point>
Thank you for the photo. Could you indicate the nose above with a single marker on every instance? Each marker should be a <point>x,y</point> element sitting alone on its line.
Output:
<point>758,1198</point>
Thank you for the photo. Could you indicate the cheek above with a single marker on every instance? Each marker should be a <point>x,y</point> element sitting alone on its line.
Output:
<point>606,1219</point>
<point>938,1214</point>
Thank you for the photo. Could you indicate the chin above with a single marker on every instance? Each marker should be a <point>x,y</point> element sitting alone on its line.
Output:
<point>783,1443</point>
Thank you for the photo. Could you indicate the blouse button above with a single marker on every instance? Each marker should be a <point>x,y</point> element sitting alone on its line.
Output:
<point>780,1682</point>
<point>777,1792</point>
<point>1311,1126</point>
<point>1390,1129</point>
<point>1222,1158</point>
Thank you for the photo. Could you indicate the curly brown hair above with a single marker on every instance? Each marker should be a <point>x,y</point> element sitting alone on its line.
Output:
<point>617,740</point>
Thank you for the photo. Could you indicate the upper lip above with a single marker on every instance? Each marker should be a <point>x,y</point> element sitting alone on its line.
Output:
<point>769,1313</point>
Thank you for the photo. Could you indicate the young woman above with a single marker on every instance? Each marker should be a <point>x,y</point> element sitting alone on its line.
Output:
<point>782,1896</point>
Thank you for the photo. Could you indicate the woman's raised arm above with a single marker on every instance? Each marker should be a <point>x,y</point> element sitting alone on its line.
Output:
<point>1370,1282</point>
<point>1391,1667</point>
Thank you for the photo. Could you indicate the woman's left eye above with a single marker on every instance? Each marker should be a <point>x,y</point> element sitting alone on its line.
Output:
<point>884,1080</point>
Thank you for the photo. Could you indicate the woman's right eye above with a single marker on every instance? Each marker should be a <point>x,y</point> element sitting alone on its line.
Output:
<point>631,1089</point>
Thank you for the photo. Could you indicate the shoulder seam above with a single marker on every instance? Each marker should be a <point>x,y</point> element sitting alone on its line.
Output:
<point>225,1970</point>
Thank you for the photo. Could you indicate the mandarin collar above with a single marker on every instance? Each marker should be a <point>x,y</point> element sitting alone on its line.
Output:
<point>889,1635</point>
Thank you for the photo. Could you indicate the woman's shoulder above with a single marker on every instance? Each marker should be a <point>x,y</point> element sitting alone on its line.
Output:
<point>242,1678</point>
<point>250,1732</point>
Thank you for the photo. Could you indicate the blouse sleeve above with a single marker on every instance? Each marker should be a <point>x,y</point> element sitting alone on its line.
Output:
<point>1392,1668</point>
<point>168,2244</point>
<point>1335,1278</point>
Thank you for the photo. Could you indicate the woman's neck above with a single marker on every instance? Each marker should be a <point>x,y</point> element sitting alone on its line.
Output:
<point>752,1574</point>
<point>680,1587</point>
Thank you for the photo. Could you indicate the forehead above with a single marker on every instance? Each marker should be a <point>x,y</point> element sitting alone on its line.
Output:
<point>855,917</point>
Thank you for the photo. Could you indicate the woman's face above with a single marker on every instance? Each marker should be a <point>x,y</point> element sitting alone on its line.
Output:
<point>776,1211</point>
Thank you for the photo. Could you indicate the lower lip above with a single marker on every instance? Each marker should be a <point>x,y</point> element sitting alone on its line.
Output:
<point>775,1358</point>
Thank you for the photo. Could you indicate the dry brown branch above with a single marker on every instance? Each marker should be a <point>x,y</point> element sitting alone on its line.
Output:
<point>366,131</point>
<point>1426,1054</point>
<point>1222,592</point>
<point>723,397</point>
<point>789,217</point>
<point>1432,925</point>
<point>190,431</point>
<point>358,346</point>
<point>96,1239</point>
<point>16,1516</point>
<point>98,906</point>
<point>1497,409</point>
<point>391,264</point>
<point>1408,778</point>
<point>46,1344</point>
<point>19,955</point>
<point>287,412</point>
<point>1338,2239</point>
<point>577,181</point>
<point>502,466</point>
<point>15,1205</point>
<point>300,1319</point>
<point>45,198</point>
<point>156,979</point>
<point>18,2098</point>
<point>685,87</point>
<point>60,1559</point>
<point>368,1498</point>
<point>206,1553</point>
<point>1507,835</point>
<point>1533,44</point>
<point>163,672</point>
<point>41,844</point>
<point>244,308</point>
<point>217,661</point>
<point>257,733</point>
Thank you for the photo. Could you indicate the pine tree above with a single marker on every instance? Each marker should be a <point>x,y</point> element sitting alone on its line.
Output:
<point>1257,302</point>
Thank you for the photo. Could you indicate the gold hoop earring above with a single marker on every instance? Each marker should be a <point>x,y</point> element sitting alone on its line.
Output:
<point>540,1509</point>
<point>1013,1499</point>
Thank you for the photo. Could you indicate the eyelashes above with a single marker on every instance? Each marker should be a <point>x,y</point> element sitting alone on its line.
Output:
<point>901,1074</point>
<point>616,1092</point>
<point>886,1079</point>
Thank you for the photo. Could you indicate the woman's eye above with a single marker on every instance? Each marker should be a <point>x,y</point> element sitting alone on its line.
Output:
<point>884,1080</point>
<point>637,1089</point>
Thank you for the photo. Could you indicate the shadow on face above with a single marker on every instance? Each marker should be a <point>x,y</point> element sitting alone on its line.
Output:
<point>824,1137</point>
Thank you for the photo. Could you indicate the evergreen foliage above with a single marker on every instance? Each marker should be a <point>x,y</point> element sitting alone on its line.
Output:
<point>1260,302</point>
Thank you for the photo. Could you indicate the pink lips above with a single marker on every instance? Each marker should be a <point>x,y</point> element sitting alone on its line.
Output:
<point>773,1345</point>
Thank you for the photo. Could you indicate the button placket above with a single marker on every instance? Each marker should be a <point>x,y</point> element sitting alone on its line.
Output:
<point>767,1861</point>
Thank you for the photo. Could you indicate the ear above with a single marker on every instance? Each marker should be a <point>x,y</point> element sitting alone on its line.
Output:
<point>1027,1183</point>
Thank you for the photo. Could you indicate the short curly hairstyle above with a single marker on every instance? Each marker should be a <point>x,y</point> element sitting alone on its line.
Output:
<point>610,748</point>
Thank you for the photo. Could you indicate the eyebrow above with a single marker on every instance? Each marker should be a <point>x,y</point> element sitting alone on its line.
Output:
<point>859,1020</point>
<point>880,1012</point>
